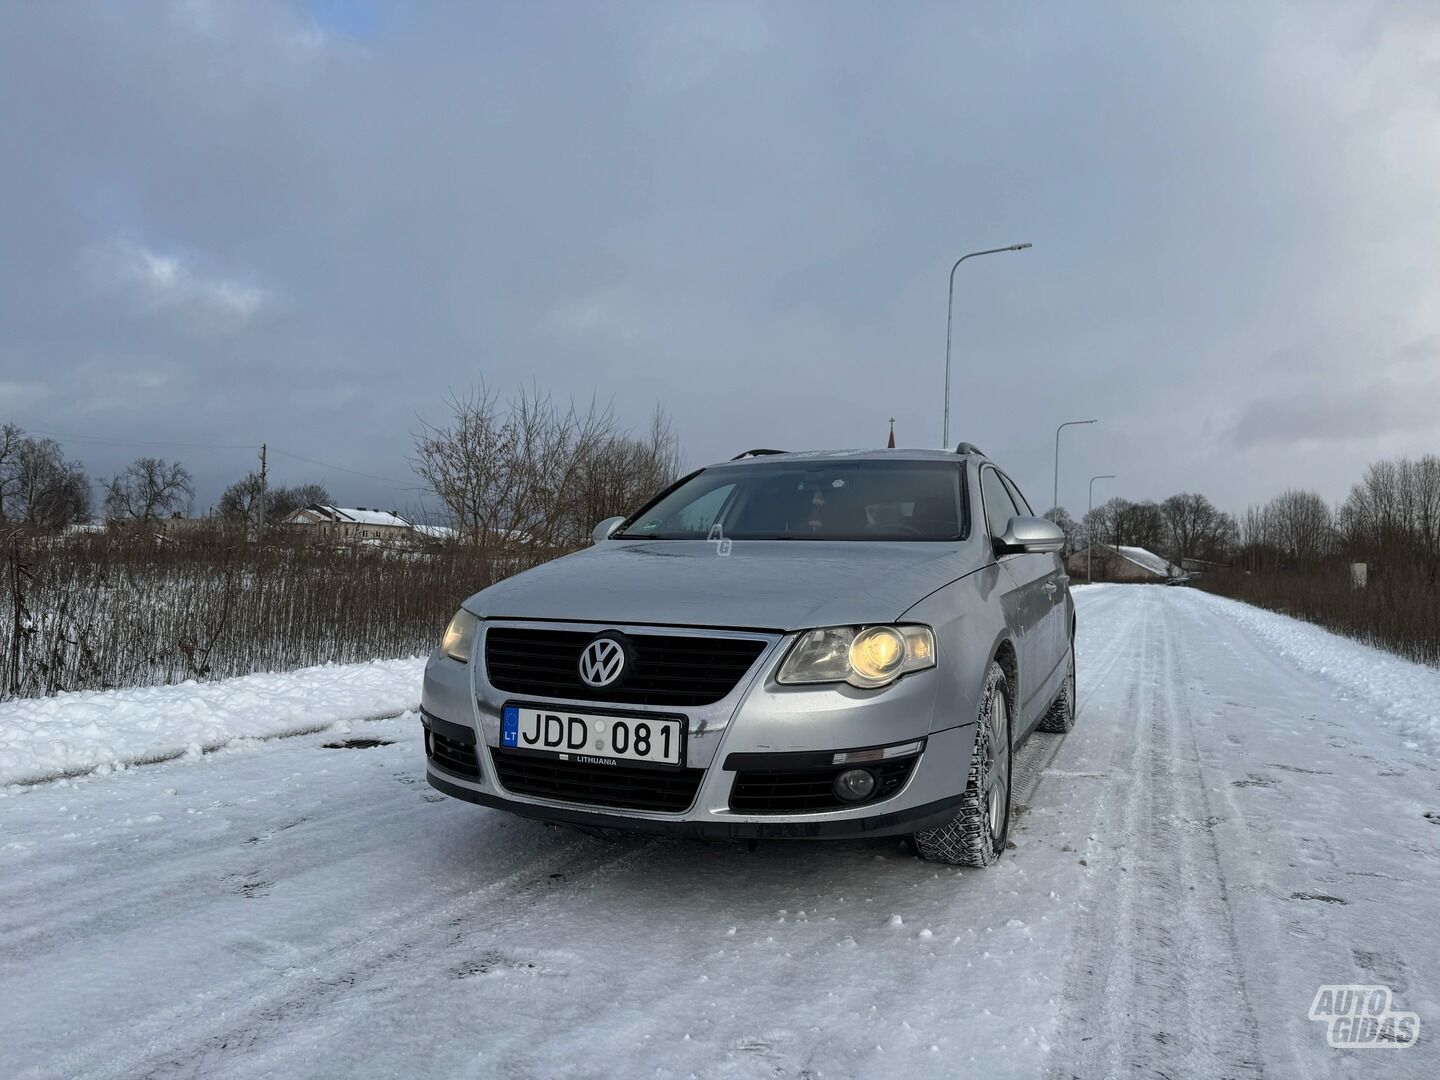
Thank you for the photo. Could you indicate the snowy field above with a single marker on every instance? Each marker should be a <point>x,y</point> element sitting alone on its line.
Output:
<point>1239,817</point>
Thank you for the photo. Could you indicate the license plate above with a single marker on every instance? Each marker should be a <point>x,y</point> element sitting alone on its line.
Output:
<point>574,736</point>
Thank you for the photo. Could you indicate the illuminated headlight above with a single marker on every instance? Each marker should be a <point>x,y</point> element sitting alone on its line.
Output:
<point>864,656</point>
<point>459,639</point>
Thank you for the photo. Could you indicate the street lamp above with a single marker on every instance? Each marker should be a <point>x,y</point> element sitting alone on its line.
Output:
<point>949,318</point>
<point>1089,536</point>
<point>1055,496</point>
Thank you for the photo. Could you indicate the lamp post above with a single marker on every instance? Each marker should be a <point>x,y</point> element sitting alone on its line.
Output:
<point>1089,538</point>
<point>1055,495</point>
<point>949,319</point>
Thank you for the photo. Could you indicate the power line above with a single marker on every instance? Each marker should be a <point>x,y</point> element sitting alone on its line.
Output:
<point>106,440</point>
<point>406,485</point>
<point>140,442</point>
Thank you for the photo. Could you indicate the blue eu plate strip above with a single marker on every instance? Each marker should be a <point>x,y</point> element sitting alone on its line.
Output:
<point>510,729</point>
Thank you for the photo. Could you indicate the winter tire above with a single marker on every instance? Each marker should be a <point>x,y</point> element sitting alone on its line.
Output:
<point>976,835</point>
<point>1061,717</point>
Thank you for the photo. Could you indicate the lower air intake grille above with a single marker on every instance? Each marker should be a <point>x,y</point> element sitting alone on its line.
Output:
<point>454,757</point>
<point>810,789</point>
<point>621,786</point>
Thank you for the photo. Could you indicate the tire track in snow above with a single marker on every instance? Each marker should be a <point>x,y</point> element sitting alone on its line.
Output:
<point>245,1012</point>
<point>1119,642</point>
<point>1034,758</point>
<point>373,967</point>
<point>1153,988</point>
<point>87,906</point>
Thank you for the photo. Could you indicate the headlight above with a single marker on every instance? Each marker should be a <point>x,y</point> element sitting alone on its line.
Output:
<point>864,656</point>
<point>459,639</point>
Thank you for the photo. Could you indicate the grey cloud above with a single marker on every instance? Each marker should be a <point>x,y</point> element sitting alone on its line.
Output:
<point>1336,415</point>
<point>311,231</point>
<point>167,284</point>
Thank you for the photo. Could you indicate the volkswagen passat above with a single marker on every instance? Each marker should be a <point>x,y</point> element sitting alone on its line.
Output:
<point>785,645</point>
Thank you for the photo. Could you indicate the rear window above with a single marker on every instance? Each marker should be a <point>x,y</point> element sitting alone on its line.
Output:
<point>821,500</point>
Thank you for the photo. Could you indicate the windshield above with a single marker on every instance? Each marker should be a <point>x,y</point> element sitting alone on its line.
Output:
<point>821,500</point>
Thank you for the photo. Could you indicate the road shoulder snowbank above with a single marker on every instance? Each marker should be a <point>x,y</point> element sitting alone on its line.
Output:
<point>42,738</point>
<point>1407,694</point>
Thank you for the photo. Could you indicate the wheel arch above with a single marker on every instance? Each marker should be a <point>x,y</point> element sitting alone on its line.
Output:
<point>1007,656</point>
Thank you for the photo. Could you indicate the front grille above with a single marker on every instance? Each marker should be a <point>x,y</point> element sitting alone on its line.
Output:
<point>455,757</point>
<point>620,786</point>
<point>665,669</point>
<point>810,789</point>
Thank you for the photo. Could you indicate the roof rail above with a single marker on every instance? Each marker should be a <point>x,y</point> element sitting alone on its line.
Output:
<point>969,448</point>
<point>757,452</point>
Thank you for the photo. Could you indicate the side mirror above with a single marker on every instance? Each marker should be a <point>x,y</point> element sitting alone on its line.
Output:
<point>605,528</point>
<point>1029,534</point>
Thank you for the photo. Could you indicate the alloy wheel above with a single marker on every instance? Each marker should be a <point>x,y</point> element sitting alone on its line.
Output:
<point>997,783</point>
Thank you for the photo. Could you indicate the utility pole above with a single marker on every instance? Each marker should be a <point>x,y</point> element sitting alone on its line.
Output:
<point>264,476</point>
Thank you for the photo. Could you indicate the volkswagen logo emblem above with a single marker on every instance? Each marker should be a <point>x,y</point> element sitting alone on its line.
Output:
<point>602,662</point>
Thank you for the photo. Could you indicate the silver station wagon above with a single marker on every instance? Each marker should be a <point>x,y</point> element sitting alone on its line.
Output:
<point>786,645</point>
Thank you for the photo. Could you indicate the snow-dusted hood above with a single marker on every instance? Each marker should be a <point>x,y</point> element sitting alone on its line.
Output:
<point>760,584</point>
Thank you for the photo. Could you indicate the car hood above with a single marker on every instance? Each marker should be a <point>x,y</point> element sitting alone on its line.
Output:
<point>760,584</point>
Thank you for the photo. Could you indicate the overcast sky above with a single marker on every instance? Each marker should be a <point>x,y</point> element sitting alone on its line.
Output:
<point>305,223</point>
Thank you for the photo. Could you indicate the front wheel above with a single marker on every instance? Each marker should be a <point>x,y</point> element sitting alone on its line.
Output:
<point>976,835</point>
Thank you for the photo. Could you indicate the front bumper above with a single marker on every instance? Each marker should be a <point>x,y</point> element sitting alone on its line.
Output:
<point>758,719</point>
<point>815,827</point>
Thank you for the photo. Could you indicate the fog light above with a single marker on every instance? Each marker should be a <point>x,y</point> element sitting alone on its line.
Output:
<point>854,785</point>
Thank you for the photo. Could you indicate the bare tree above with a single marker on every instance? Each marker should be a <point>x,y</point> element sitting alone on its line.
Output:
<point>1103,523</point>
<point>1426,478</point>
<point>621,474</point>
<point>149,489</point>
<point>1143,525</point>
<point>1068,525</point>
<point>38,486</point>
<point>1196,528</point>
<point>11,437</point>
<point>1393,514</point>
<point>49,492</point>
<point>241,500</point>
<point>1300,525</point>
<point>530,473</point>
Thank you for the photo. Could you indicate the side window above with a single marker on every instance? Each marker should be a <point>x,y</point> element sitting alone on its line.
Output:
<point>1019,497</point>
<point>999,507</point>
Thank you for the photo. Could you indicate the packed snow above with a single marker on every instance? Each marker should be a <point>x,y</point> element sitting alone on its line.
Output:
<point>1238,818</point>
<point>69,734</point>
<point>1148,560</point>
<point>1407,695</point>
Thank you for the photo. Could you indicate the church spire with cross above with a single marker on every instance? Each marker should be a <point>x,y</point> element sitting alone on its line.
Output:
<point>891,444</point>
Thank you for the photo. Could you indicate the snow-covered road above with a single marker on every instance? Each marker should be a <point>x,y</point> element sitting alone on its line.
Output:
<point>1238,818</point>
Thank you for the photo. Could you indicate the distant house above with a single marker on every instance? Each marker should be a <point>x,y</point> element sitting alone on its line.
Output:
<point>1120,563</point>
<point>351,524</point>
<point>436,534</point>
<point>177,526</point>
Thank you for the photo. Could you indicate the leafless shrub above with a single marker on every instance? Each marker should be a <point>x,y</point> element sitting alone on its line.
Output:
<point>1399,608</point>
<point>1296,558</point>
<point>124,607</point>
